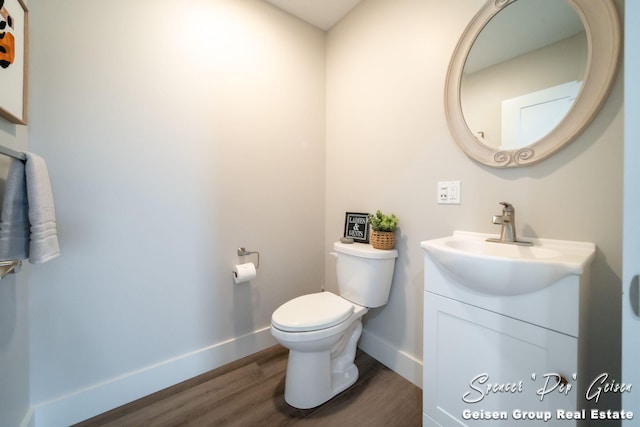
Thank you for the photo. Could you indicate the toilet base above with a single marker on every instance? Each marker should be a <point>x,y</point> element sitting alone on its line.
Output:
<point>315,377</point>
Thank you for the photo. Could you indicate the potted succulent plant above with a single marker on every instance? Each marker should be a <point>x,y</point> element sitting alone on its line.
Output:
<point>383,230</point>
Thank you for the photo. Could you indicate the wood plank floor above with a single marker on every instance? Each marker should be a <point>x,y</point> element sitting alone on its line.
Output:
<point>250,392</point>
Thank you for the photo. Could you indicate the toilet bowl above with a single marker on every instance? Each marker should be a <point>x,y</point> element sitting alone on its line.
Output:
<point>321,355</point>
<point>321,330</point>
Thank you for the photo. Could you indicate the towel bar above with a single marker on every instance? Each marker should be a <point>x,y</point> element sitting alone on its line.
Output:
<point>12,153</point>
<point>7,267</point>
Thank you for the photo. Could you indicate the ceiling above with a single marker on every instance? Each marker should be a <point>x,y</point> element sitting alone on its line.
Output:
<point>323,14</point>
<point>535,24</point>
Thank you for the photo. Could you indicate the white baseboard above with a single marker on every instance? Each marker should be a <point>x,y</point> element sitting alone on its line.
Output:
<point>402,363</point>
<point>96,399</point>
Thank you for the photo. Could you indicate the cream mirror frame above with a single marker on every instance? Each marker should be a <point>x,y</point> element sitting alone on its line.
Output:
<point>603,33</point>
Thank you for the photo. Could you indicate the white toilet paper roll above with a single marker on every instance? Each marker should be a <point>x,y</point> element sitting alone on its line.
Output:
<point>244,272</point>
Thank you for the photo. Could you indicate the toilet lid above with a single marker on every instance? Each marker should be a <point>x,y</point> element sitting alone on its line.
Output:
<point>312,312</point>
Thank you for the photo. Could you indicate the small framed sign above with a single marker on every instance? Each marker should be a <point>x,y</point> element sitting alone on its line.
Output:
<point>356,226</point>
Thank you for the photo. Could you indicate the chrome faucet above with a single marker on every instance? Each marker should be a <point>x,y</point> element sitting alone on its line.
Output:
<point>508,222</point>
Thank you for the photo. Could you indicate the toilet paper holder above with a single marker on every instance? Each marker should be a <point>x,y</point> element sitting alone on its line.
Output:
<point>244,252</point>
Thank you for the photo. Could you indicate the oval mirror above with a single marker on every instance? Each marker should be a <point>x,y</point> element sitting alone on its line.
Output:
<point>528,76</point>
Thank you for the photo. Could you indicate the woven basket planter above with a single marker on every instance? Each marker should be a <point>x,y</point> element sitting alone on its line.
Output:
<point>383,239</point>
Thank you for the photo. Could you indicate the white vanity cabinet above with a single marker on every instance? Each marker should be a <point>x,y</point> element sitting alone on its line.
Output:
<point>495,360</point>
<point>467,348</point>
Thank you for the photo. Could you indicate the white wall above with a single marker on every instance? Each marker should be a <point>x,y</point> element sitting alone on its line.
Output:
<point>388,145</point>
<point>14,322</point>
<point>631,258</point>
<point>174,134</point>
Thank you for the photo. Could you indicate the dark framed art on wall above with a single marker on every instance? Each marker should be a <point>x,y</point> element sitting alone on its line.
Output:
<point>356,226</point>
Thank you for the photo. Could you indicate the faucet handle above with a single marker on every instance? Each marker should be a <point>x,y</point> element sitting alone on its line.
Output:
<point>507,206</point>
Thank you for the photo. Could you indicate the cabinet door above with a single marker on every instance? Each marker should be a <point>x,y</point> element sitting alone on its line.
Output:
<point>478,363</point>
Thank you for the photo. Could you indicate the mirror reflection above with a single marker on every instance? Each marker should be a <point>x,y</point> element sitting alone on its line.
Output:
<point>523,73</point>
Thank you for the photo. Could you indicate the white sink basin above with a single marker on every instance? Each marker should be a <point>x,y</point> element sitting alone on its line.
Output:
<point>504,269</point>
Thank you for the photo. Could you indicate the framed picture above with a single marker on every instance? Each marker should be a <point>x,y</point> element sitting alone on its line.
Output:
<point>13,60</point>
<point>356,226</point>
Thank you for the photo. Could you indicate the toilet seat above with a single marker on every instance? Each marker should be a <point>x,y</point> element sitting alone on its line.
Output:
<point>312,312</point>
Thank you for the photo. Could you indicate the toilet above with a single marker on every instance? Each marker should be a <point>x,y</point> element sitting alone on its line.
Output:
<point>321,330</point>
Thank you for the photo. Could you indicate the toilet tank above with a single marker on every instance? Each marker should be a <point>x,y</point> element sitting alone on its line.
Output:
<point>364,273</point>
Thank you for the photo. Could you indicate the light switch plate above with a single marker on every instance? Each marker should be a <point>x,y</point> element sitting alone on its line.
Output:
<point>448,192</point>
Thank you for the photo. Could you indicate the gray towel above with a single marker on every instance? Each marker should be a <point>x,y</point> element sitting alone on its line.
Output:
<point>14,222</point>
<point>42,216</point>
